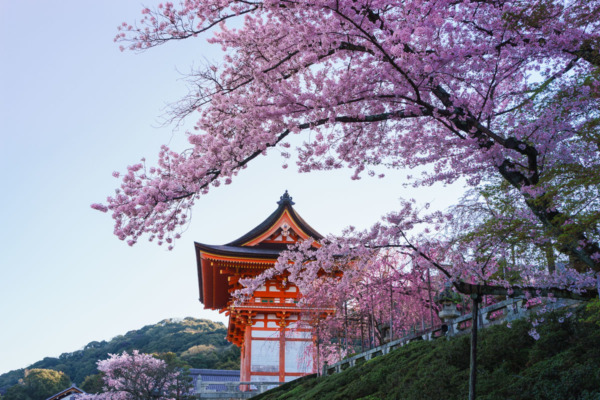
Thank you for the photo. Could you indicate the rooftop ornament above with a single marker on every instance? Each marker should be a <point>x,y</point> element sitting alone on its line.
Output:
<point>285,199</point>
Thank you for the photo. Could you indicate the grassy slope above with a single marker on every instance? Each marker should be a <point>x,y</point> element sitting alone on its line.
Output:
<point>563,364</point>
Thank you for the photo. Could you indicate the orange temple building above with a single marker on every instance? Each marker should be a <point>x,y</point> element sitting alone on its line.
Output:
<point>274,346</point>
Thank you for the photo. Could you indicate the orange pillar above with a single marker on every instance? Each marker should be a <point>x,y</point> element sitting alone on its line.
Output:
<point>282,325</point>
<point>246,361</point>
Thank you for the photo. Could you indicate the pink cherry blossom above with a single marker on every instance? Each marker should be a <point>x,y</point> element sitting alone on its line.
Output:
<point>504,95</point>
<point>138,376</point>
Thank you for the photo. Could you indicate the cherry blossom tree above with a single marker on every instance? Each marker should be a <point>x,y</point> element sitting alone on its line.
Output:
<point>369,300</point>
<point>139,376</point>
<point>500,92</point>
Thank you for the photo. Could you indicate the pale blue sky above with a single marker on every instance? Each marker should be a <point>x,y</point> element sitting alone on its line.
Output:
<point>73,109</point>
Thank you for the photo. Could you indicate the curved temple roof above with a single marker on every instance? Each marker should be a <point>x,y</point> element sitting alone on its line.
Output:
<point>259,248</point>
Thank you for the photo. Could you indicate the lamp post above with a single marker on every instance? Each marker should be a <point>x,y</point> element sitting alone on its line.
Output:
<point>448,301</point>
<point>473,362</point>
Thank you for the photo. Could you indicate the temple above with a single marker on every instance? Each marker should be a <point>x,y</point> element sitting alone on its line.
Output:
<point>67,394</point>
<point>274,347</point>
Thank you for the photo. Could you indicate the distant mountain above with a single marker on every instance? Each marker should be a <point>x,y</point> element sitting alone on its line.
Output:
<point>198,343</point>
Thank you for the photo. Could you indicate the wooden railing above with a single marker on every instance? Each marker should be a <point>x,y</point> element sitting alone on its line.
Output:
<point>504,311</point>
<point>233,390</point>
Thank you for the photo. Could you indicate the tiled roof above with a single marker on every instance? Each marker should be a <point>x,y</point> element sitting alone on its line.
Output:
<point>237,250</point>
<point>71,390</point>
<point>214,375</point>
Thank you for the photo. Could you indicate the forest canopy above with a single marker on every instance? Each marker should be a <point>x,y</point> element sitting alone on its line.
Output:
<point>198,343</point>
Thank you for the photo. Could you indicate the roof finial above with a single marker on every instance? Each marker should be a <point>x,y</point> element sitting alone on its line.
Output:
<point>285,199</point>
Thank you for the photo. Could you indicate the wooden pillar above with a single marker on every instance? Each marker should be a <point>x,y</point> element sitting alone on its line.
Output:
<point>246,364</point>
<point>242,362</point>
<point>282,325</point>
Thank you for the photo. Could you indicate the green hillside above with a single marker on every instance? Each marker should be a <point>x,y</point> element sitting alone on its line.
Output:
<point>563,364</point>
<point>198,343</point>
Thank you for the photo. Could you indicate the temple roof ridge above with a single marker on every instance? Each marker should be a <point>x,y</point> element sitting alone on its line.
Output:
<point>285,203</point>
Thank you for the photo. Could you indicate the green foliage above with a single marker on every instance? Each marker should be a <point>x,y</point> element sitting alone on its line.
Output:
<point>593,310</point>
<point>180,337</point>
<point>211,357</point>
<point>563,364</point>
<point>16,392</point>
<point>38,384</point>
<point>92,383</point>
